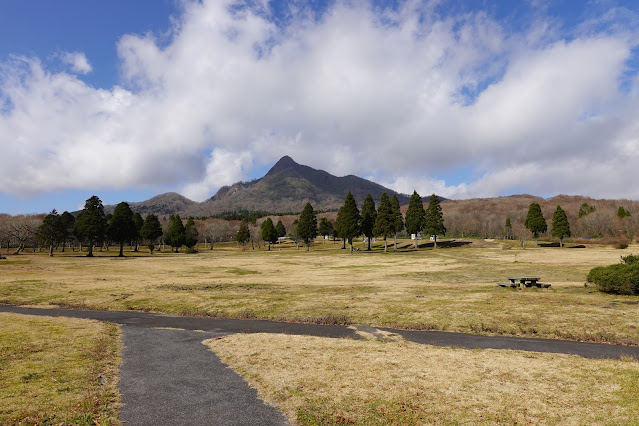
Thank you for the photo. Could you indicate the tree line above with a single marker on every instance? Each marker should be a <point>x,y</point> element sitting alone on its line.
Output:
<point>91,227</point>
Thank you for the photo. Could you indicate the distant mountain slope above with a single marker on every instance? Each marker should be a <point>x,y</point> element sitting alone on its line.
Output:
<point>163,204</point>
<point>287,187</point>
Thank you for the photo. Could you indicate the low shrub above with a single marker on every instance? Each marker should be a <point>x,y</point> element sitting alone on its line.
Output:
<point>622,278</point>
<point>622,246</point>
<point>630,259</point>
<point>190,250</point>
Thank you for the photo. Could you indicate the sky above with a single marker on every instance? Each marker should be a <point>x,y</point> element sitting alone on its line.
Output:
<point>463,98</point>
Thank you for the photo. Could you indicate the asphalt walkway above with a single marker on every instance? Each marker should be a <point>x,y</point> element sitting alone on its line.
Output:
<point>169,377</point>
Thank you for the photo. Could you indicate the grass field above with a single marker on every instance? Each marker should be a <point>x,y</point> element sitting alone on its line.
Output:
<point>443,289</point>
<point>317,381</point>
<point>58,371</point>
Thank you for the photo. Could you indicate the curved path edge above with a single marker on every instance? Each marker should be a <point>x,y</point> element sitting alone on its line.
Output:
<point>437,338</point>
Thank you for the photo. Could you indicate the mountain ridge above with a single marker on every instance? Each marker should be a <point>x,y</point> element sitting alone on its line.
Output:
<point>286,187</point>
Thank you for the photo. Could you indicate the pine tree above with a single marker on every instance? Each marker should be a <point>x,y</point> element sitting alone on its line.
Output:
<point>151,230</point>
<point>415,216</point>
<point>398,219</point>
<point>508,229</point>
<point>138,221</point>
<point>191,234</point>
<point>434,221</point>
<point>622,212</point>
<point>325,227</point>
<point>281,231</point>
<point>349,220</point>
<point>269,233</point>
<point>177,232</point>
<point>560,225</point>
<point>369,214</point>
<point>243,234</point>
<point>385,220</point>
<point>68,223</point>
<point>535,221</point>
<point>91,224</point>
<point>585,209</point>
<point>52,231</point>
<point>307,225</point>
<point>121,226</point>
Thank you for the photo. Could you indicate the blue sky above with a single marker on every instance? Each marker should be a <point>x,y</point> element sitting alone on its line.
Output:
<point>466,98</point>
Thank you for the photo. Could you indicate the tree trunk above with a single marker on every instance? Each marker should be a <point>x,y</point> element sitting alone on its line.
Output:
<point>308,245</point>
<point>343,243</point>
<point>395,240</point>
<point>385,245</point>
<point>90,254</point>
<point>416,242</point>
<point>561,243</point>
<point>369,243</point>
<point>51,250</point>
<point>435,241</point>
<point>269,246</point>
<point>351,243</point>
<point>121,254</point>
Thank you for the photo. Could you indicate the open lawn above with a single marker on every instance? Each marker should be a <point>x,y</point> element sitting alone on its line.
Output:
<point>317,381</point>
<point>450,288</point>
<point>58,371</point>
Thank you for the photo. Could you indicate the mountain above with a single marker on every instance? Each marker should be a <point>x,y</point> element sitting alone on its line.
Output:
<point>163,204</point>
<point>287,187</point>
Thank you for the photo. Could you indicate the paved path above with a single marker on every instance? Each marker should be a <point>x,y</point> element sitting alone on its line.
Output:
<point>439,338</point>
<point>169,377</point>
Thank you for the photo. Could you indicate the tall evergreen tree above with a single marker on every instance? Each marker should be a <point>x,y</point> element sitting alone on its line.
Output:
<point>91,224</point>
<point>269,233</point>
<point>279,227</point>
<point>68,221</point>
<point>121,227</point>
<point>191,234</point>
<point>52,231</point>
<point>325,228</point>
<point>415,216</point>
<point>434,221</point>
<point>243,234</point>
<point>535,221</point>
<point>349,220</point>
<point>560,226</point>
<point>384,220</point>
<point>508,229</point>
<point>138,221</point>
<point>307,225</point>
<point>369,214</point>
<point>398,219</point>
<point>151,229</point>
<point>177,232</point>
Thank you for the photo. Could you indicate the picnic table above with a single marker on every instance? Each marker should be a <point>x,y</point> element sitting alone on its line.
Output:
<point>524,282</point>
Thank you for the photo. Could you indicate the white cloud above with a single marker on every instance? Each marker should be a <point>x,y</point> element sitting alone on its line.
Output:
<point>78,62</point>
<point>403,96</point>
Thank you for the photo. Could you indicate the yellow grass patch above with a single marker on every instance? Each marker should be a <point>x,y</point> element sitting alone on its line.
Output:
<point>58,370</point>
<point>339,381</point>
<point>444,289</point>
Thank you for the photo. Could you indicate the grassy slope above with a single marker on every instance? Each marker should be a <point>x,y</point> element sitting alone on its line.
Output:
<point>58,371</point>
<point>444,289</point>
<point>336,381</point>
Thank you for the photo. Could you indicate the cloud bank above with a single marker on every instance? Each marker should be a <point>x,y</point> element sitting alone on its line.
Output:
<point>400,95</point>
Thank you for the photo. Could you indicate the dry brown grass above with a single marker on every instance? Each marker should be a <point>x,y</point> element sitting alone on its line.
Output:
<point>58,371</point>
<point>338,381</point>
<point>445,289</point>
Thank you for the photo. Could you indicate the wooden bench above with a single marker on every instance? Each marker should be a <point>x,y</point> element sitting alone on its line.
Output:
<point>513,285</point>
